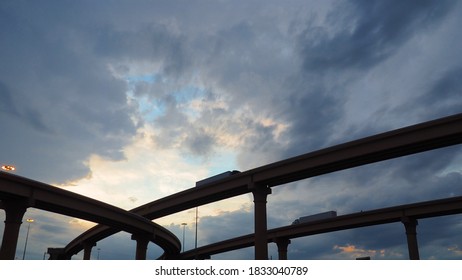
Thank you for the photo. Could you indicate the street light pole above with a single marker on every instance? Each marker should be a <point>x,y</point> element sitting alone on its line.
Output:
<point>29,221</point>
<point>184,225</point>
<point>195,239</point>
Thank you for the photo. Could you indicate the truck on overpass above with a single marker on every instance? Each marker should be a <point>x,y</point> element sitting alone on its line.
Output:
<point>315,217</point>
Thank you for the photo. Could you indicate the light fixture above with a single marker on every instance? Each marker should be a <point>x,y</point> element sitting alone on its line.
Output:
<point>29,221</point>
<point>8,167</point>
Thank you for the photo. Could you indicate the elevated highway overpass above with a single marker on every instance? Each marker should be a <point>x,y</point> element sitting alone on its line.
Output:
<point>407,214</point>
<point>19,193</point>
<point>259,181</point>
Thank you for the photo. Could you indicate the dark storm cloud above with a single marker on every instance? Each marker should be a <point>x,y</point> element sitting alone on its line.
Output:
<point>359,36</point>
<point>370,31</point>
<point>312,114</point>
<point>227,225</point>
<point>199,142</point>
<point>53,82</point>
<point>444,96</point>
<point>150,43</point>
<point>28,115</point>
<point>7,106</point>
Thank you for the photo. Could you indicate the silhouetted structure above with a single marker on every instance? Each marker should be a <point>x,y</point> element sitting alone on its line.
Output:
<point>18,193</point>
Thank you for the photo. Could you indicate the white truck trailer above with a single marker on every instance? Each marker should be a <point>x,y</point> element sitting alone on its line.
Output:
<point>315,217</point>
<point>216,178</point>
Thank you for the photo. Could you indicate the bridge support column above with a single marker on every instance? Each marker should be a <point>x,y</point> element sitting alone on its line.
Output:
<point>261,240</point>
<point>142,242</point>
<point>411,233</point>
<point>87,246</point>
<point>14,212</point>
<point>282,244</point>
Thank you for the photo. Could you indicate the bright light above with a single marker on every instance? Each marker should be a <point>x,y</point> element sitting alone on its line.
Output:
<point>30,220</point>
<point>7,167</point>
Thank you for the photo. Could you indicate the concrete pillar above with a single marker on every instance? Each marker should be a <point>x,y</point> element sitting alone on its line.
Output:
<point>282,244</point>
<point>87,246</point>
<point>261,240</point>
<point>411,233</point>
<point>142,242</point>
<point>14,212</point>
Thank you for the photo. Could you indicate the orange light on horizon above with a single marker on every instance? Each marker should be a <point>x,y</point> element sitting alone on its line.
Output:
<point>7,167</point>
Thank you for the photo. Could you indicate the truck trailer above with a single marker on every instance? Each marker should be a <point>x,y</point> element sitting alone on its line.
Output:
<point>315,217</point>
<point>216,178</point>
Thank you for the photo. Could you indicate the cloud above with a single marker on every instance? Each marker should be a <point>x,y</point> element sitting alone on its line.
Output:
<point>145,174</point>
<point>353,252</point>
<point>444,94</point>
<point>366,33</point>
<point>225,226</point>
<point>73,104</point>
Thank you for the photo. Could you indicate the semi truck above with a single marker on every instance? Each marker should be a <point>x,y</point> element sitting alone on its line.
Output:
<point>315,217</point>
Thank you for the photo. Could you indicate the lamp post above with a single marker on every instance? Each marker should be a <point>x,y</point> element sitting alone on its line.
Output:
<point>184,225</point>
<point>29,221</point>
<point>195,238</point>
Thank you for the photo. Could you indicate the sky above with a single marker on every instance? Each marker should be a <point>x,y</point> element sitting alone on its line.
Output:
<point>130,101</point>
